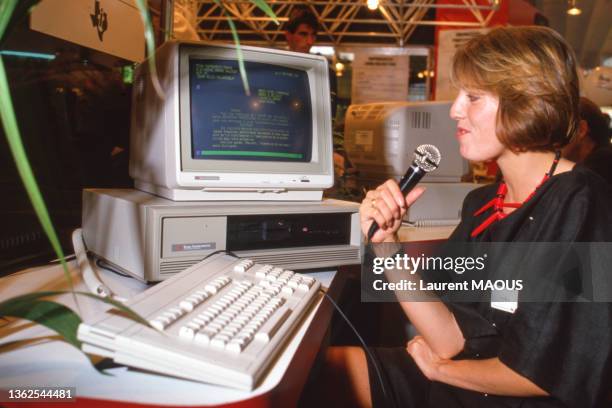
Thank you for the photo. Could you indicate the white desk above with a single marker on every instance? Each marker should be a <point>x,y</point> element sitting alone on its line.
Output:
<point>47,361</point>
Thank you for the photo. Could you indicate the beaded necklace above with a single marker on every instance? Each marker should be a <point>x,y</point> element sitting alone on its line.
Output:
<point>497,203</point>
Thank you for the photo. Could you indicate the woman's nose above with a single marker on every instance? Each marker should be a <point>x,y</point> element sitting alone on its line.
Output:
<point>456,111</point>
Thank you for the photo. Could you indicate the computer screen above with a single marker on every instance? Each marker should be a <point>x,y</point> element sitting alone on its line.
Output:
<point>381,137</point>
<point>207,139</point>
<point>273,125</point>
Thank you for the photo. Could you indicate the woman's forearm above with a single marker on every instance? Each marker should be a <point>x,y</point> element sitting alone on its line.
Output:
<point>489,376</point>
<point>431,317</point>
<point>436,323</point>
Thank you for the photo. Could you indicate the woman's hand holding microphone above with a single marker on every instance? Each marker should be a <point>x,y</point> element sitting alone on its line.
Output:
<point>386,206</point>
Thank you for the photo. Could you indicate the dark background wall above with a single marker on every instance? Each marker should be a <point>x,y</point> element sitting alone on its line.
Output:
<point>73,113</point>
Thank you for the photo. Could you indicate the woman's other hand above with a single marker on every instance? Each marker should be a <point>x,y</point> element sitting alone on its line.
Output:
<point>424,357</point>
<point>386,206</point>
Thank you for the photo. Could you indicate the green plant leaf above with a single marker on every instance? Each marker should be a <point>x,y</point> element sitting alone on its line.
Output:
<point>7,7</point>
<point>56,316</point>
<point>37,296</point>
<point>263,6</point>
<point>150,42</point>
<point>11,129</point>
<point>11,12</point>
<point>120,306</point>
<point>243,74</point>
<point>53,315</point>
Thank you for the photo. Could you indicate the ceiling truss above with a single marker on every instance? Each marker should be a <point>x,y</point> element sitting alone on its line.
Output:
<point>341,22</point>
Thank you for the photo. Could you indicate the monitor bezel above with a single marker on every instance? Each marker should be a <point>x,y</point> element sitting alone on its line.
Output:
<point>316,69</point>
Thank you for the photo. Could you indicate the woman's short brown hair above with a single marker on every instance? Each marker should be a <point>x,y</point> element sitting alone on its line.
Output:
<point>533,73</point>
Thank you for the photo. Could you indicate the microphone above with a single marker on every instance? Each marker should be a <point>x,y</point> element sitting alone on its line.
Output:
<point>426,159</point>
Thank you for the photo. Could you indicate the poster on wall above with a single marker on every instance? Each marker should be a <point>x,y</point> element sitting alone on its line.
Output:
<point>448,42</point>
<point>380,75</point>
<point>110,26</point>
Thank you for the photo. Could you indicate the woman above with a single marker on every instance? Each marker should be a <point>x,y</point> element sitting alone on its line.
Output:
<point>518,105</point>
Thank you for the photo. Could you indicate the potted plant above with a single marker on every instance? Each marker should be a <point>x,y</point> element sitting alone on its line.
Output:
<point>37,306</point>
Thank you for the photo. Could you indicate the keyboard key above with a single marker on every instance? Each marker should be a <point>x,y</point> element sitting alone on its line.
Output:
<point>267,331</point>
<point>210,331</point>
<point>243,265</point>
<point>216,325</point>
<point>186,332</point>
<point>309,280</point>
<point>187,305</point>
<point>234,326</point>
<point>229,332</point>
<point>234,347</point>
<point>245,336</point>
<point>273,290</point>
<point>222,320</point>
<point>199,321</point>
<point>218,343</point>
<point>158,324</point>
<point>173,313</point>
<point>202,338</point>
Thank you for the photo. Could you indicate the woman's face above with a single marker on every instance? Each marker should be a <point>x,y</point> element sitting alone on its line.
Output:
<point>476,113</point>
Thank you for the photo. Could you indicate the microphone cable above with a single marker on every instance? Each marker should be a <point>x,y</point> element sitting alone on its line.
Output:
<point>363,343</point>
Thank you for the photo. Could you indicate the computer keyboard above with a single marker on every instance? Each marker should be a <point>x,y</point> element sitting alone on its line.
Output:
<point>221,321</point>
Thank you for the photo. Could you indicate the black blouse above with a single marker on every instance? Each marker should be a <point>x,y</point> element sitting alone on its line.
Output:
<point>565,347</point>
<point>600,161</point>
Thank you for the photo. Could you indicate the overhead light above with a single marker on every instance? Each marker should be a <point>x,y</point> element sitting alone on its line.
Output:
<point>572,9</point>
<point>339,68</point>
<point>372,4</point>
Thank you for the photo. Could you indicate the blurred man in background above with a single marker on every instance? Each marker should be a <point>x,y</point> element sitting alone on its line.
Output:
<point>301,34</point>
<point>591,146</point>
<point>301,30</point>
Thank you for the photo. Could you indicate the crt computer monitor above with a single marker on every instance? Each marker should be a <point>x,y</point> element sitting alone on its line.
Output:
<point>380,139</point>
<point>206,139</point>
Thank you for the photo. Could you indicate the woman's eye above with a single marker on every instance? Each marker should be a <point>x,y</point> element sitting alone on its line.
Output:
<point>473,98</point>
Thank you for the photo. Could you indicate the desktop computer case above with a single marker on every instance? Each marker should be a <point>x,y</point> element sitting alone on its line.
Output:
<point>137,232</point>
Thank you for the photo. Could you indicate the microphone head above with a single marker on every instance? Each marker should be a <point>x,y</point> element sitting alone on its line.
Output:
<point>427,157</point>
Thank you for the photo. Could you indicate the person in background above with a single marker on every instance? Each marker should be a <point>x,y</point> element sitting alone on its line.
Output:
<point>301,34</point>
<point>518,105</point>
<point>591,145</point>
<point>301,29</point>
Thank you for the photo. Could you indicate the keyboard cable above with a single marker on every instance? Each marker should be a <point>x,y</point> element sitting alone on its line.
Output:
<point>90,277</point>
<point>365,347</point>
